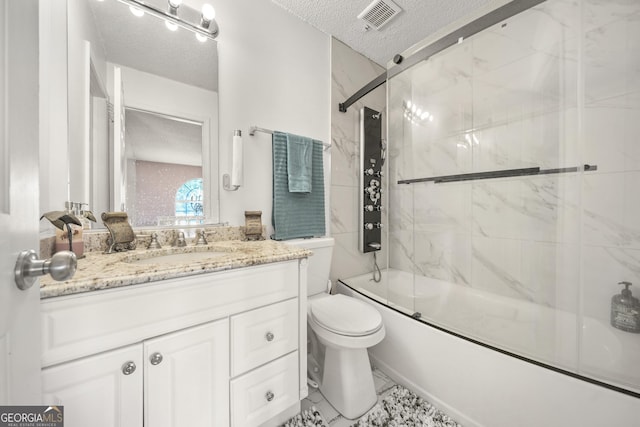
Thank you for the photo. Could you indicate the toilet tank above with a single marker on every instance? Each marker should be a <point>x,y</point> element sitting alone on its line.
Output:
<point>319,263</point>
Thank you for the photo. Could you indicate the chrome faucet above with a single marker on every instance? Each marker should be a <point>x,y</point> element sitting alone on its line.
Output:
<point>180,241</point>
<point>201,240</point>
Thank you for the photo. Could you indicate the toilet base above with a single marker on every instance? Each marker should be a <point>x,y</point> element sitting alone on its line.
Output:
<point>347,381</point>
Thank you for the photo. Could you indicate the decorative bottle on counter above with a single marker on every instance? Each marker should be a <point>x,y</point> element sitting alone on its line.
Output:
<point>625,310</point>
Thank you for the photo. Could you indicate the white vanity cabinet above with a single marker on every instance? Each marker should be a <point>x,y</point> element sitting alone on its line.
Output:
<point>183,377</point>
<point>186,377</point>
<point>216,349</point>
<point>95,391</point>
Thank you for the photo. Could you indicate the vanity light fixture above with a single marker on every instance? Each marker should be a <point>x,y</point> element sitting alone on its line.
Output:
<point>208,15</point>
<point>173,6</point>
<point>136,12</point>
<point>207,28</point>
<point>170,26</point>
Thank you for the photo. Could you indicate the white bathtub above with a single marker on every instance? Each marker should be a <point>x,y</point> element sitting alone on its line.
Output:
<point>480,386</point>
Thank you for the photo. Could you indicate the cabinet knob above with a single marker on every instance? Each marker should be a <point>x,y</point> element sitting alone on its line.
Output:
<point>269,336</point>
<point>270,396</point>
<point>128,368</point>
<point>155,358</point>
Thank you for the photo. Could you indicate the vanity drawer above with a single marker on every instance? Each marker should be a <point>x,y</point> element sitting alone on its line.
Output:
<point>264,334</point>
<point>265,392</point>
<point>79,325</point>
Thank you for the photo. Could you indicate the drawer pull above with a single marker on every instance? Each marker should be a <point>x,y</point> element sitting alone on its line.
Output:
<point>270,396</point>
<point>128,368</point>
<point>155,358</point>
<point>269,336</point>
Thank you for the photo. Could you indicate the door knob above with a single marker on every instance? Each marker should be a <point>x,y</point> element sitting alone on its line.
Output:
<point>61,266</point>
<point>156,358</point>
<point>128,368</point>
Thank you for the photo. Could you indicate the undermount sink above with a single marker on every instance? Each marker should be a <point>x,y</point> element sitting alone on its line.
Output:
<point>178,258</point>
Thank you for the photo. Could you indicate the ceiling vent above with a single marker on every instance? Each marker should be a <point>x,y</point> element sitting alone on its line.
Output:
<point>379,13</point>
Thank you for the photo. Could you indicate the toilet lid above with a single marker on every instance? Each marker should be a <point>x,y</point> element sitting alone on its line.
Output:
<point>345,315</point>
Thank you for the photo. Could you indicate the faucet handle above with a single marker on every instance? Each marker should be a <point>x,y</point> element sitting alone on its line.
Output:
<point>201,240</point>
<point>180,240</point>
<point>154,244</point>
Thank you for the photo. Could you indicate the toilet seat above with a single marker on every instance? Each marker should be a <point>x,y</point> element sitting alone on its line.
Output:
<point>345,316</point>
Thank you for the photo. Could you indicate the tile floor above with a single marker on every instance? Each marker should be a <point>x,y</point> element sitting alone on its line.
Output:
<point>381,381</point>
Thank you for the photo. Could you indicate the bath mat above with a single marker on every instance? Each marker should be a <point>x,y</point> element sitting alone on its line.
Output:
<point>402,407</point>
<point>308,418</point>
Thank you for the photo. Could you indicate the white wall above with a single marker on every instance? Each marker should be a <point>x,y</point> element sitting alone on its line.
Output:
<point>274,73</point>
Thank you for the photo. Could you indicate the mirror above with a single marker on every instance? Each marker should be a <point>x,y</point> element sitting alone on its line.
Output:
<point>143,115</point>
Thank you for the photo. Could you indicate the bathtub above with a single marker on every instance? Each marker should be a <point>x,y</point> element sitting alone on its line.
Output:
<point>459,361</point>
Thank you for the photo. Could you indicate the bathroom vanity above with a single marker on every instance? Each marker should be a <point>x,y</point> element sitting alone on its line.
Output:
<point>214,342</point>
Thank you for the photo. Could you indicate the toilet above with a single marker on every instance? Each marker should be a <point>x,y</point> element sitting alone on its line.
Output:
<point>340,330</point>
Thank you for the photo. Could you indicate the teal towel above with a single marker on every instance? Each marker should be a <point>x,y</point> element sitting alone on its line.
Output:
<point>299,163</point>
<point>296,215</point>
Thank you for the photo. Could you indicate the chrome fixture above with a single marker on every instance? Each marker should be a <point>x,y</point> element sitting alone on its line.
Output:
<point>128,368</point>
<point>205,28</point>
<point>371,162</point>
<point>180,241</point>
<point>254,129</point>
<point>173,6</point>
<point>201,238</point>
<point>153,243</point>
<point>61,266</point>
<point>156,358</point>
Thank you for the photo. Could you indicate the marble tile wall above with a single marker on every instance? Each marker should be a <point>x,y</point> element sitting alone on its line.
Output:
<point>557,86</point>
<point>350,72</point>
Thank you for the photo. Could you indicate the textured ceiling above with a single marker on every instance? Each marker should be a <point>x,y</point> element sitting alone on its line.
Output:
<point>146,45</point>
<point>419,19</point>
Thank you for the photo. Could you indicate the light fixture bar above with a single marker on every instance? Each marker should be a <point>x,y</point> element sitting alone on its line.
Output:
<point>212,33</point>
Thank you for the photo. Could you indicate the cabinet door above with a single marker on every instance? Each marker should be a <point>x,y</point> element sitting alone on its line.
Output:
<point>98,391</point>
<point>187,377</point>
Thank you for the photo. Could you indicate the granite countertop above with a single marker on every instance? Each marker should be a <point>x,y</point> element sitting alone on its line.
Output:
<point>97,271</point>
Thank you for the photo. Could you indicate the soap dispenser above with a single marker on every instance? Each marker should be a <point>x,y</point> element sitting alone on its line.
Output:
<point>625,310</point>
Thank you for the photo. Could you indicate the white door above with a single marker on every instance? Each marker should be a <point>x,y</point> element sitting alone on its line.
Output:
<point>19,201</point>
<point>187,377</point>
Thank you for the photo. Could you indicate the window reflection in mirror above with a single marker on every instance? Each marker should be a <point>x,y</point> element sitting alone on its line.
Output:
<point>137,89</point>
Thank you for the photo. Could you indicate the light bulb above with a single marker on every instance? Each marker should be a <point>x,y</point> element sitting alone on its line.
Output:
<point>208,12</point>
<point>136,12</point>
<point>201,38</point>
<point>170,25</point>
